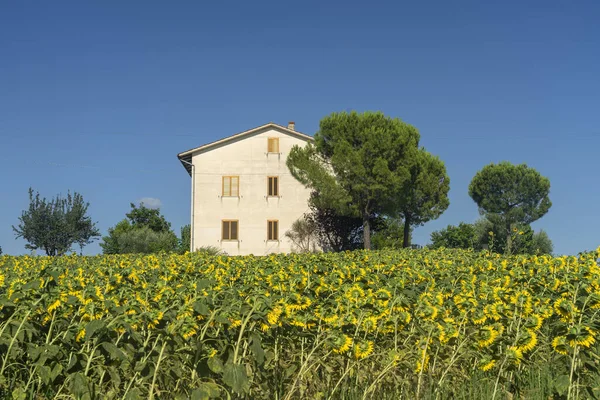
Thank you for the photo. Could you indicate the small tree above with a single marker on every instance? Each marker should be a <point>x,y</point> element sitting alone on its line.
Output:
<point>389,234</point>
<point>56,225</point>
<point>424,196</point>
<point>149,217</point>
<point>185,239</point>
<point>510,195</point>
<point>334,231</point>
<point>146,240</point>
<point>357,165</point>
<point>144,230</point>
<point>303,236</point>
<point>462,236</point>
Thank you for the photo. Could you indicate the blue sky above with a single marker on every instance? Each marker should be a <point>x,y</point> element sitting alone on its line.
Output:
<point>99,97</point>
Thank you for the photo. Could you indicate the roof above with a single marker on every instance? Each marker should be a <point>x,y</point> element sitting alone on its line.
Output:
<point>186,156</point>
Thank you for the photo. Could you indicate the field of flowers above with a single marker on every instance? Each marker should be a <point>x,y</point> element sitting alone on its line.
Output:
<point>399,324</point>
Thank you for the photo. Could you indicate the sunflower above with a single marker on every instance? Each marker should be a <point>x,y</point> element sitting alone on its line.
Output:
<point>363,349</point>
<point>488,335</point>
<point>343,344</point>
<point>486,365</point>
<point>530,340</point>
<point>560,345</point>
<point>514,354</point>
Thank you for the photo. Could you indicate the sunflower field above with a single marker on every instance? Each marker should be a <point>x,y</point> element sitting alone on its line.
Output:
<point>411,324</point>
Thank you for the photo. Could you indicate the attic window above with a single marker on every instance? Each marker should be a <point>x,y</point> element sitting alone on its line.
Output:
<point>273,145</point>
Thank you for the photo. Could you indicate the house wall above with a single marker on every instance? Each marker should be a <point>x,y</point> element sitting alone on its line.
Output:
<point>248,159</point>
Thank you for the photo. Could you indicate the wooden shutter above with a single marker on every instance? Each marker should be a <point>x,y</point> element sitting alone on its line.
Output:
<point>273,186</point>
<point>229,230</point>
<point>273,230</point>
<point>231,186</point>
<point>273,145</point>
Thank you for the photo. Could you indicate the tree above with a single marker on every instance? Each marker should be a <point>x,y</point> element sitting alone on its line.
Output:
<point>185,239</point>
<point>56,225</point>
<point>389,234</point>
<point>357,164</point>
<point>424,196</point>
<point>0,250</point>
<point>145,240</point>
<point>110,243</point>
<point>462,236</point>
<point>150,217</point>
<point>145,230</point>
<point>509,195</point>
<point>303,236</point>
<point>541,243</point>
<point>483,234</point>
<point>334,232</point>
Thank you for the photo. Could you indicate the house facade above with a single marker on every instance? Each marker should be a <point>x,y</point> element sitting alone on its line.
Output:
<point>244,198</point>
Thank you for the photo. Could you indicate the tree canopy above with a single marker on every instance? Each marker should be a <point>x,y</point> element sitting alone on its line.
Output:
<point>56,225</point>
<point>483,234</point>
<point>145,230</point>
<point>462,236</point>
<point>509,195</point>
<point>424,196</point>
<point>358,164</point>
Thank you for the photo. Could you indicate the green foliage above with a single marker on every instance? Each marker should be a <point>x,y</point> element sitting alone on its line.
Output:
<point>56,225</point>
<point>483,234</point>
<point>185,239</point>
<point>358,164</point>
<point>334,231</point>
<point>510,195</point>
<point>462,236</point>
<point>303,236</point>
<point>541,243</point>
<point>389,234</point>
<point>145,240</point>
<point>149,217</point>
<point>401,324</point>
<point>424,196</point>
<point>211,251</point>
<point>144,231</point>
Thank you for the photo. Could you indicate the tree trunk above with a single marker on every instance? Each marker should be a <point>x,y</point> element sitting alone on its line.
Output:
<point>406,242</point>
<point>366,231</point>
<point>507,250</point>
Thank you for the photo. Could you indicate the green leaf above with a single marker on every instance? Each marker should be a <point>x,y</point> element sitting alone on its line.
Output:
<point>561,384</point>
<point>73,361</point>
<point>256,348</point>
<point>19,394</point>
<point>234,376</point>
<point>201,307</point>
<point>207,390</point>
<point>215,364</point>
<point>134,394</point>
<point>93,326</point>
<point>79,386</point>
<point>44,374</point>
<point>115,377</point>
<point>114,352</point>
<point>56,371</point>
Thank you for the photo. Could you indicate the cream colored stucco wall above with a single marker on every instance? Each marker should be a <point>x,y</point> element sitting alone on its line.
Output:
<point>248,159</point>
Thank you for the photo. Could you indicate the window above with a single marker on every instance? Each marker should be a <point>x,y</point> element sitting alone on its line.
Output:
<point>230,229</point>
<point>273,146</point>
<point>273,186</point>
<point>231,186</point>
<point>273,230</point>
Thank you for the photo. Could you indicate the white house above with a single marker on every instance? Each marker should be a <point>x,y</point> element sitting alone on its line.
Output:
<point>244,198</point>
